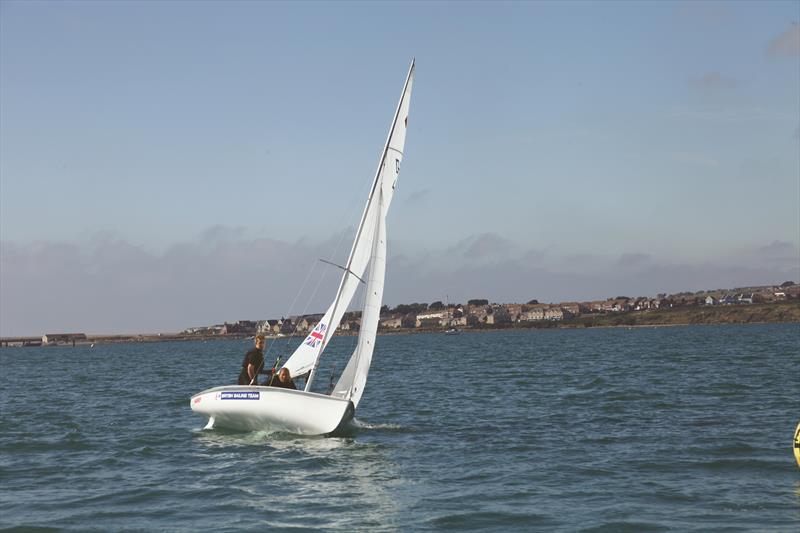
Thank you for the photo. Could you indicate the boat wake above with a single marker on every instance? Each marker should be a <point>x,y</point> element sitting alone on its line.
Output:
<point>354,426</point>
<point>366,425</point>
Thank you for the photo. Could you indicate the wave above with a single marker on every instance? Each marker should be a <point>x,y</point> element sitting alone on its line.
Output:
<point>366,425</point>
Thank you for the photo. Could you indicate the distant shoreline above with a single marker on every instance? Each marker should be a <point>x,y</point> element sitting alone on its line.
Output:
<point>766,313</point>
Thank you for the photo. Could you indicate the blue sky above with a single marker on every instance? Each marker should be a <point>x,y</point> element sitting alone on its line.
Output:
<point>164,165</point>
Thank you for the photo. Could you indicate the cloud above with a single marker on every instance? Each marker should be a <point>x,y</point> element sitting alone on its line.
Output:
<point>109,285</point>
<point>484,246</point>
<point>713,81</point>
<point>631,260</point>
<point>533,255</point>
<point>786,44</point>
<point>417,197</point>
<point>778,248</point>
<point>567,277</point>
<point>508,281</point>
<point>779,253</point>
<point>218,233</point>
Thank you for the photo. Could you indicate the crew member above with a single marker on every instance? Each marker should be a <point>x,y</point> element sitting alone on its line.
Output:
<point>284,380</point>
<point>253,362</point>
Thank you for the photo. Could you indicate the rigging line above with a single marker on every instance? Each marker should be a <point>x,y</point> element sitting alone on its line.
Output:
<point>297,295</point>
<point>302,314</point>
<point>313,266</point>
<point>352,209</point>
<point>342,234</point>
<point>310,299</point>
<point>319,282</point>
<point>376,179</point>
<point>353,212</point>
<point>345,269</point>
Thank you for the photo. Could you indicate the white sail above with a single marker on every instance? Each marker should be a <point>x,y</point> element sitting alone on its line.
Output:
<point>352,381</point>
<point>306,356</point>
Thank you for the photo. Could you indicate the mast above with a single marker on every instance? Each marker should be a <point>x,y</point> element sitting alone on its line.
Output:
<point>347,268</point>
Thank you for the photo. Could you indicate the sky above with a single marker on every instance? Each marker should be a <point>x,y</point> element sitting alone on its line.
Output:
<point>174,164</point>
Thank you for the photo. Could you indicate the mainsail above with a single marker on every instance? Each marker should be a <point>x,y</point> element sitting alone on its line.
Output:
<point>369,248</point>
<point>352,381</point>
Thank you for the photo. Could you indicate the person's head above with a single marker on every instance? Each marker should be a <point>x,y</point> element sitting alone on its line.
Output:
<point>260,342</point>
<point>284,375</point>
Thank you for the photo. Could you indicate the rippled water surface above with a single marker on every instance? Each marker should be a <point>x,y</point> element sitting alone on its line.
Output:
<point>603,429</point>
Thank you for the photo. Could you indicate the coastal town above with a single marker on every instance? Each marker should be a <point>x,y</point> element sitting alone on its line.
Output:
<point>481,314</point>
<point>766,303</point>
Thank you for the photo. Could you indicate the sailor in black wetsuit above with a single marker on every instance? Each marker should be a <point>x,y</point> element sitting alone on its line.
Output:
<point>253,363</point>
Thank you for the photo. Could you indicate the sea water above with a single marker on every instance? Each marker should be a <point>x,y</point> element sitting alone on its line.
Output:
<point>644,429</point>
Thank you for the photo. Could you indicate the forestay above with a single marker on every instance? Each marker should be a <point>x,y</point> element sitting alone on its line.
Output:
<point>369,248</point>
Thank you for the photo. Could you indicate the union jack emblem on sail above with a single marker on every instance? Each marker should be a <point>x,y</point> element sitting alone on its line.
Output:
<point>315,337</point>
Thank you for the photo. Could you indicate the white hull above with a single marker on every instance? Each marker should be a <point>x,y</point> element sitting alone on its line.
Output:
<point>252,408</point>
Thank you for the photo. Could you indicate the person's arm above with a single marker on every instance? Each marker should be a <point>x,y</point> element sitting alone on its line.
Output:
<point>251,371</point>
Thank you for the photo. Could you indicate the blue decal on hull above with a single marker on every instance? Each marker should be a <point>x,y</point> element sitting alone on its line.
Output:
<point>247,395</point>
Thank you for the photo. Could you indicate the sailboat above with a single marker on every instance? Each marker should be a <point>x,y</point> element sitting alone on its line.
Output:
<point>252,407</point>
